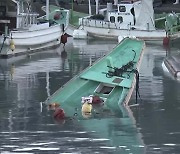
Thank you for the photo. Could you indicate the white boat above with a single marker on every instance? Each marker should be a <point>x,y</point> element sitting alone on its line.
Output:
<point>171,65</point>
<point>129,19</point>
<point>22,30</point>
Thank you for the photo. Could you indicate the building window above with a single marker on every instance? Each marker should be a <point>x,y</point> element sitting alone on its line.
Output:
<point>112,19</point>
<point>2,11</point>
<point>122,8</point>
<point>120,19</point>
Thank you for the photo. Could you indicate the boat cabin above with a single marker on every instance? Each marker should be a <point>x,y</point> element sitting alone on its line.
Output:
<point>16,14</point>
<point>125,15</point>
<point>121,13</point>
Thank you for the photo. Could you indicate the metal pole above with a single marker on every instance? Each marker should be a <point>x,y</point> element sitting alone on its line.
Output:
<point>90,7</point>
<point>47,9</point>
<point>72,8</point>
<point>97,6</point>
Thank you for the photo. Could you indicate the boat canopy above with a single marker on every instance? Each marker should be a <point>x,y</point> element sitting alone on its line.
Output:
<point>144,12</point>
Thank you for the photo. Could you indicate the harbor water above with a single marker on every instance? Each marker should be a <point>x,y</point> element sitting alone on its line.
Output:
<point>27,126</point>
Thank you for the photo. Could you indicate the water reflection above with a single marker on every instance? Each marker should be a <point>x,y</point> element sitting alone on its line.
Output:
<point>28,127</point>
<point>157,116</point>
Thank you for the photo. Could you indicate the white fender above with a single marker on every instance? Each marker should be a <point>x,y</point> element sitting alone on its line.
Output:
<point>79,34</point>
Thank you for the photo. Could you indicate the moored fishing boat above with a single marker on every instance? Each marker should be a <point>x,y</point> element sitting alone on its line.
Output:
<point>23,31</point>
<point>109,82</point>
<point>130,18</point>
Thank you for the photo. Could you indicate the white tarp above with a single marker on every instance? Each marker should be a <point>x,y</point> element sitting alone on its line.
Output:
<point>144,14</point>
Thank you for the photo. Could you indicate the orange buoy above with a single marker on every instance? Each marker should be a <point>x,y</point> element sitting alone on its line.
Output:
<point>97,100</point>
<point>166,41</point>
<point>53,106</point>
<point>59,114</point>
<point>57,16</point>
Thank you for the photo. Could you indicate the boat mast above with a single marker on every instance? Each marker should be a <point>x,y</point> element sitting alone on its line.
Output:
<point>47,9</point>
<point>18,12</point>
<point>97,6</point>
<point>90,7</point>
<point>20,7</point>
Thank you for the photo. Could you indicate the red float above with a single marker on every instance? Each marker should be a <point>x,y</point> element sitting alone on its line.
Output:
<point>97,100</point>
<point>59,114</point>
<point>57,16</point>
<point>166,41</point>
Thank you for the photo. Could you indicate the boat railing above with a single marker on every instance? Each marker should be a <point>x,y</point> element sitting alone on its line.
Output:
<point>26,19</point>
<point>98,23</point>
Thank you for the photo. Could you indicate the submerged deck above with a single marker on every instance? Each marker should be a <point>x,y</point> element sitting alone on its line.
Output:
<point>93,80</point>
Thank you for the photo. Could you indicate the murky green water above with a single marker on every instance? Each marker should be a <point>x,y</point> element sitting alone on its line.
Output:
<point>28,127</point>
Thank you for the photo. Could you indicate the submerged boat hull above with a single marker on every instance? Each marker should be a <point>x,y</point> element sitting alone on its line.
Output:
<point>114,91</point>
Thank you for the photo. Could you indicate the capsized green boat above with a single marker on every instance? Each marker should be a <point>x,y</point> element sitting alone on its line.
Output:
<point>111,78</point>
